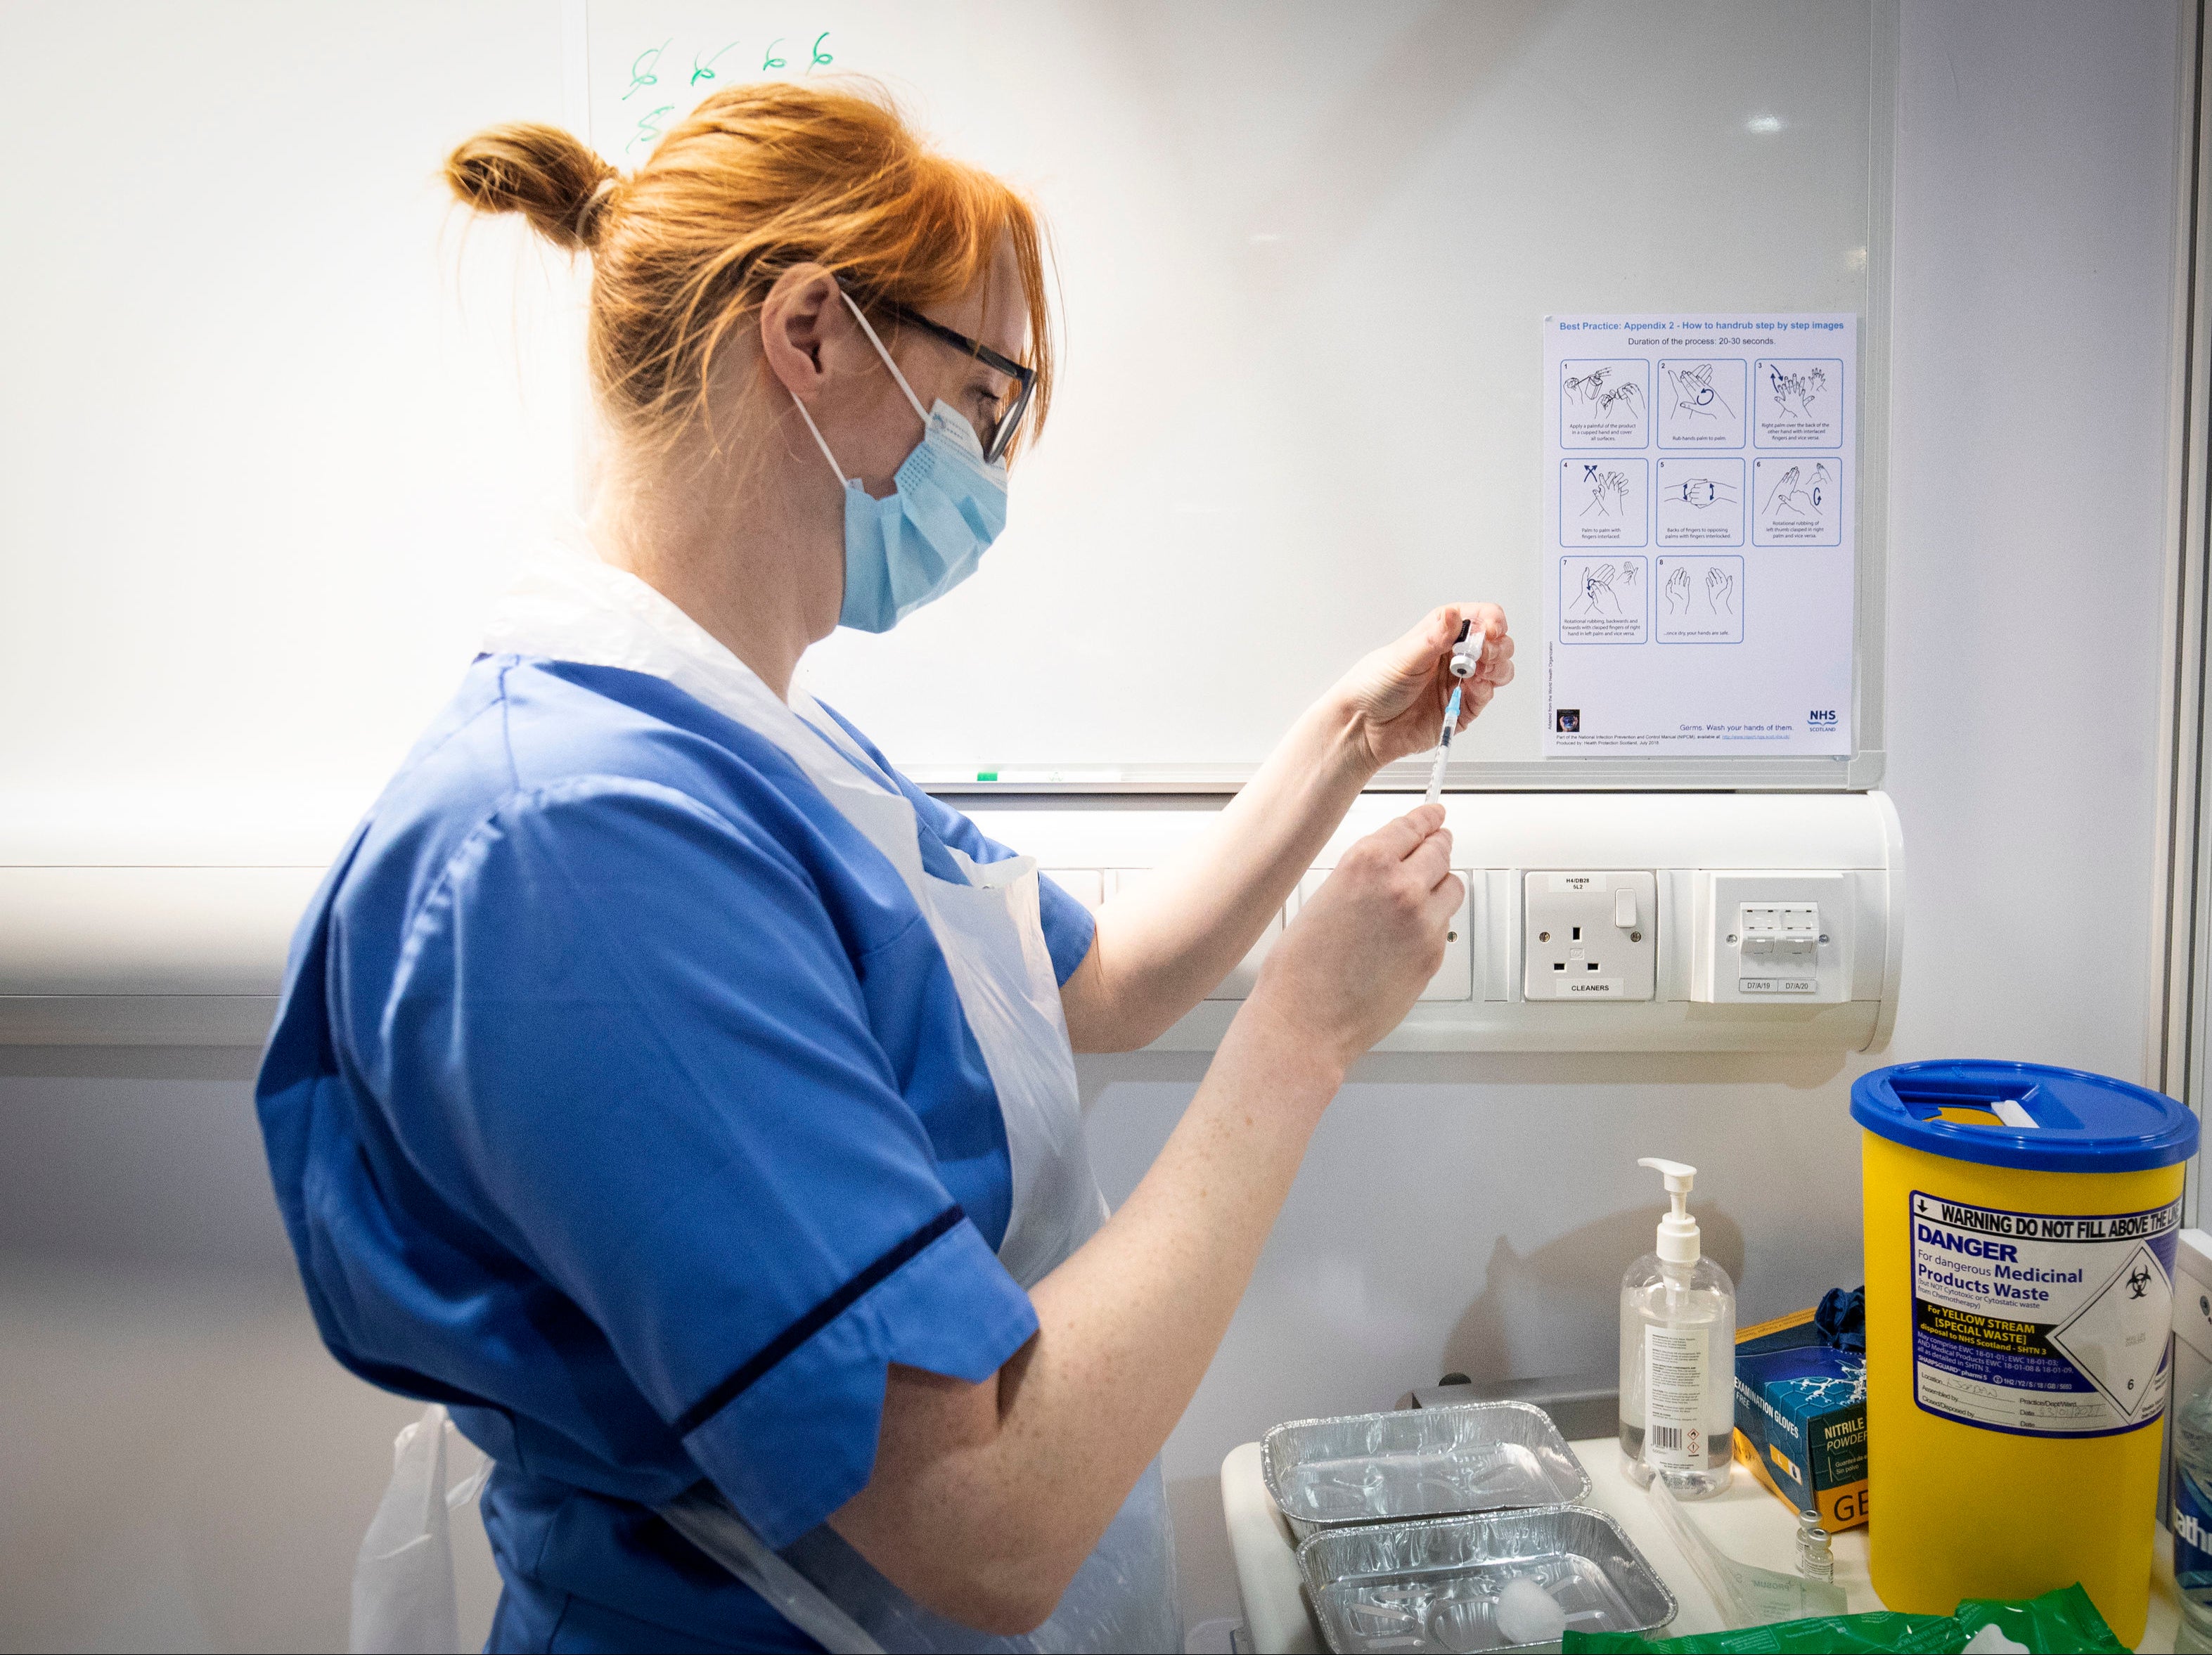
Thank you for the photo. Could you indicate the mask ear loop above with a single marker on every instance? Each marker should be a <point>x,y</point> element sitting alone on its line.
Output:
<point>868,328</point>
<point>823,441</point>
<point>859,316</point>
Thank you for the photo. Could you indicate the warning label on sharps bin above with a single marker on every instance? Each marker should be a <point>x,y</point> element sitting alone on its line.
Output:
<point>2045,1324</point>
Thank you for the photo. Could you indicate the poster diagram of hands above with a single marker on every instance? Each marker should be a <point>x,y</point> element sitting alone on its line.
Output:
<point>1701,500</point>
<point>1701,403</point>
<point>1608,589</point>
<point>1602,599</point>
<point>1691,387</point>
<point>1796,391</point>
<point>1601,500</point>
<point>1796,499</point>
<point>1700,599</point>
<point>1602,396</point>
<point>1799,402</point>
<point>1604,405</point>
<point>1608,492</point>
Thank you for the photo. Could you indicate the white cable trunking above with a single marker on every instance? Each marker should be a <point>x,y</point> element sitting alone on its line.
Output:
<point>1703,858</point>
<point>1760,921</point>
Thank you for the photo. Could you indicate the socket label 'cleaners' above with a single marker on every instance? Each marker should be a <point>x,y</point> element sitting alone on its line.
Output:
<point>2046,1324</point>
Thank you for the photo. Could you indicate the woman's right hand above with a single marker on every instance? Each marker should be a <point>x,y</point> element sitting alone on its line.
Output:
<point>1364,945</point>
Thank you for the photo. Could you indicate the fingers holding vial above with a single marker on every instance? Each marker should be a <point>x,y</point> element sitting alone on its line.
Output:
<point>1481,659</point>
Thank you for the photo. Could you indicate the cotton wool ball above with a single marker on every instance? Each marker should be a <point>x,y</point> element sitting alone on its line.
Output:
<point>1527,1614</point>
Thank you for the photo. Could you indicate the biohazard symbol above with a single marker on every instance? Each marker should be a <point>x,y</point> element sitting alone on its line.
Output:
<point>2138,1279</point>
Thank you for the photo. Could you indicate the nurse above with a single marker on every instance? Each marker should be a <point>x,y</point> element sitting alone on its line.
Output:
<point>684,1098</point>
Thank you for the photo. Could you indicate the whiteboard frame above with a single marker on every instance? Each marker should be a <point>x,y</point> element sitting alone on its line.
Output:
<point>1860,772</point>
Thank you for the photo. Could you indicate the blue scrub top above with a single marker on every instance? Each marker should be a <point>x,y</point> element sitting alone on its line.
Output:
<point>620,1099</point>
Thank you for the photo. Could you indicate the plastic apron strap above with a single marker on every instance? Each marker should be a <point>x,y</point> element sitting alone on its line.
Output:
<point>989,928</point>
<point>721,1533</point>
<point>403,1599</point>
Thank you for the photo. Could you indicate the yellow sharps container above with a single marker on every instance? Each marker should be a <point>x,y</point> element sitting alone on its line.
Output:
<point>2021,1224</point>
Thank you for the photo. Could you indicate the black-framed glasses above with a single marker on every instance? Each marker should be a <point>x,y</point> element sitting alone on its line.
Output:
<point>1008,425</point>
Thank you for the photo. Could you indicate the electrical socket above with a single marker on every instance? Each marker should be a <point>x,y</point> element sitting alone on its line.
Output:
<point>1589,936</point>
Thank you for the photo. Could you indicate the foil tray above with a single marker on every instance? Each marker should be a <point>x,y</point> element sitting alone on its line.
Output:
<point>1418,1461</point>
<point>1434,1585</point>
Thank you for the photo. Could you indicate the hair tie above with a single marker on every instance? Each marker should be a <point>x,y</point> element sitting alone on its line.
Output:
<point>587,214</point>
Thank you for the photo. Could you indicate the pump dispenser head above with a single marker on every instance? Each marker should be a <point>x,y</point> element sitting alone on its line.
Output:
<point>1678,1231</point>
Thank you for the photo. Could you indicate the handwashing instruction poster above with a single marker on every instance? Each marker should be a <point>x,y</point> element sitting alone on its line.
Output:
<point>1700,549</point>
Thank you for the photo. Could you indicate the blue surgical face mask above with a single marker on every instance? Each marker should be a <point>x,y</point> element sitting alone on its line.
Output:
<point>923,539</point>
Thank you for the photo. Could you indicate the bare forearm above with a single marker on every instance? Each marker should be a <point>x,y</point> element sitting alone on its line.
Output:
<point>986,1497</point>
<point>1126,1328</point>
<point>1163,944</point>
<point>1129,1324</point>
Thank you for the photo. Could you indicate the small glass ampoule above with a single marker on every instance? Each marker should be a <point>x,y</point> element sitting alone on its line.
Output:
<point>1816,1558</point>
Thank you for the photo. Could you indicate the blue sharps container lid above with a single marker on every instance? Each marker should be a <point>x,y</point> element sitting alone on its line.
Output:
<point>2082,1122</point>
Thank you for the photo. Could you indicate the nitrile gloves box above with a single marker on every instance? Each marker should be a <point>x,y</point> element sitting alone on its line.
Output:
<point>1801,1416</point>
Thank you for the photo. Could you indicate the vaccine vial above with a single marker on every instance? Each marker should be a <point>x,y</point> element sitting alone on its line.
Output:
<point>1816,1558</point>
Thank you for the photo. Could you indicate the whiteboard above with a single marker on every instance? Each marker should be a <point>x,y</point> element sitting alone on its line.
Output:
<point>276,416</point>
<point>270,411</point>
<point>1304,251</point>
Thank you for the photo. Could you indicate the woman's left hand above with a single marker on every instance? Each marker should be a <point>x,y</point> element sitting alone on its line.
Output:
<point>1396,696</point>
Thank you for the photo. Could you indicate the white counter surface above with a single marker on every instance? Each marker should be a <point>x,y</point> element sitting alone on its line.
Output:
<point>1747,1523</point>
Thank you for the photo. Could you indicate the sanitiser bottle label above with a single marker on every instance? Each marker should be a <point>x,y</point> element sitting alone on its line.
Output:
<point>2192,1535</point>
<point>2042,1324</point>
<point>1674,1376</point>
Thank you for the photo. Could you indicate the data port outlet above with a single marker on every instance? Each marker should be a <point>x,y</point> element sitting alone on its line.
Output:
<point>1774,939</point>
<point>1589,936</point>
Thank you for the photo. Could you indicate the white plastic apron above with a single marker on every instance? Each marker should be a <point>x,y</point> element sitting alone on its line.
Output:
<point>571,606</point>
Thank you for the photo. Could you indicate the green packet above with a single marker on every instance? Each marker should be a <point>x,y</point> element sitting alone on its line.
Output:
<point>2057,1622</point>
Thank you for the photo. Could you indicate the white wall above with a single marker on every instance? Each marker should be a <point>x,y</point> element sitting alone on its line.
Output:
<point>1474,1213</point>
<point>1455,1212</point>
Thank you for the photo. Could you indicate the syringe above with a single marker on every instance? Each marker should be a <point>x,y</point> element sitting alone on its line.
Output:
<point>1443,745</point>
<point>1466,657</point>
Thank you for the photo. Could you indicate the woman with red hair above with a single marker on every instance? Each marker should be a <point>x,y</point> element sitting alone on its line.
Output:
<point>684,1099</point>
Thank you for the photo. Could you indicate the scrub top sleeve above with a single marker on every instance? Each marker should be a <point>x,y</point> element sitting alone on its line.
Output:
<point>639,1023</point>
<point>1069,926</point>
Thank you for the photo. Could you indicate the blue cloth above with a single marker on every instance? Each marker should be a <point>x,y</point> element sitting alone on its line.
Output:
<point>621,1099</point>
<point>1841,1318</point>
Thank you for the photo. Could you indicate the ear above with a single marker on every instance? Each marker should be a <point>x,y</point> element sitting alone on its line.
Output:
<point>797,318</point>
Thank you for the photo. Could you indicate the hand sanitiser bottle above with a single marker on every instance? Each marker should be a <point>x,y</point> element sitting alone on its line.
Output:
<point>2190,1520</point>
<point>1678,1355</point>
